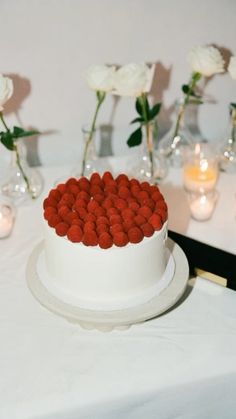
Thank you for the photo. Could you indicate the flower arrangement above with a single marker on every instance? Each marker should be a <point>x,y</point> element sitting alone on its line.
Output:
<point>135,80</point>
<point>9,137</point>
<point>205,61</point>
<point>232,72</point>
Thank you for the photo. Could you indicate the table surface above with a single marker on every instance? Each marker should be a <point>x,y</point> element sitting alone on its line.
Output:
<point>182,364</point>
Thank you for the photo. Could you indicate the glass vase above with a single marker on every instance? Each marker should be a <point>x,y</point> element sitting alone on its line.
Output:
<point>227,154</point>
<point>172,146</point>
<point>21,181</point>
<point>151,166</point>
<point>89,161</point>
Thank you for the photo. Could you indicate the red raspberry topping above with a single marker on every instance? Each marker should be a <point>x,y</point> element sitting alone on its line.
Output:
<point>149,203</point>
<point>75,234</point>
<point>115,228</point>
<point>134,182</point>
<point>90,238</point>
<point>147,229</point>
<point>157,196</point>
<point>61,229</point>
<point>134,206</point>
<point>139,220</point>
<point>110,190</point>
<point>145,212</point>
<point>145,186</point>
<point>88,226</point>
<point>63,211</point>
<point>99,211</point>
<point>135,191</point>
<point>55,194</point>
<point>95,179</point>
<point>127,213</point>
<point>121,204</point>
<point>162,213</point>
<point>80,203</point>
<point>161,205</point>
<point>102,228</point>
<point>49,211</point>
<point>49,202</point>
<point>107,203</point>
<point>82,212</point>
<point>142,195</point>
<point>105,240</point>
<point>92,205</point>
<point>123,192</point>
<point>98,197</point>
<point>68,199</point>
<point>102,220</point>
<point>107,176</point>
<point>84,195</point>
<point>78,222</point>
<point>95,189</point>
<point>90,217</point>
<point>74,189</point>
<point>112,211</point>
<point>84,184</point>
<point>120,239</point>
<point>115,219</point>
<point>135,235</point>
<point>53,220</point>
<point>71,181</point>
<point>128,224</point>
<point>122,177</point>
<point>155,221</point>
<point>153,189</point>
<point>61,188</point>
<point>70,216</point>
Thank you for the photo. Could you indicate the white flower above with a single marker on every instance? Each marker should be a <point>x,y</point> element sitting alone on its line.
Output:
<point>232,67</point>
<point>101,77</point>
<point>133,79</point>
<point>206,60</point>
<point>6,90</point>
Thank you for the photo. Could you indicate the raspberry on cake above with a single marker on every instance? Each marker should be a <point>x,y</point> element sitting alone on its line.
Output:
<point>105,212</point>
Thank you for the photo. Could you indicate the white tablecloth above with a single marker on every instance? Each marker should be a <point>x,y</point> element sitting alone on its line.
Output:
<point>180,365</point>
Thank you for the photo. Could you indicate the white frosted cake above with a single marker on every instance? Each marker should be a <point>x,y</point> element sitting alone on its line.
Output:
<point>105,242</point>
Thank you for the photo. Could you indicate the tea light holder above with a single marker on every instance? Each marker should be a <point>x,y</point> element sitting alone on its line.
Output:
<point>202,205</point>
<point>7,217</point>
<point>200,170</point>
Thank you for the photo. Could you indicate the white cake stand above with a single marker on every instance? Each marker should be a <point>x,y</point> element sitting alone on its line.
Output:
<point>118,319</point>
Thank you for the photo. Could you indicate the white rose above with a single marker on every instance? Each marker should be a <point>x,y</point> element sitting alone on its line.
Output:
<point>232,67</point>
<point>101,77</point>
<point>206,60</point>
<point>6,90</point>
<point>133,79</point>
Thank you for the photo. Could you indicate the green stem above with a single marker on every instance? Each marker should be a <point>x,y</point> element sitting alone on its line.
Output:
<point>192,84</point>
<point>233,128</point>
<point>100,97</point>
<point>148,129</point>
<point>4,123</point>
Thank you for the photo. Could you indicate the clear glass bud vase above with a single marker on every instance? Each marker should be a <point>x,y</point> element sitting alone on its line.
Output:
<point>151,166</point>
<point>21,181</point>
<point>89,160</point>
<point>227,155</point>
<point>172,146</point>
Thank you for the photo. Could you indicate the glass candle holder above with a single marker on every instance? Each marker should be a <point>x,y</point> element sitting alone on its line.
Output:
<point>202,205</point>
<point>7,216</point>
<point>200,170</point>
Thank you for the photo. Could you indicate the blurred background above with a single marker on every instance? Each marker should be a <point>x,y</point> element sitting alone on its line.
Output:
<point>47,46</point>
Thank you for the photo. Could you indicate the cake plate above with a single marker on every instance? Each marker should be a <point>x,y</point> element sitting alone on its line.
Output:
<point>115,319</point>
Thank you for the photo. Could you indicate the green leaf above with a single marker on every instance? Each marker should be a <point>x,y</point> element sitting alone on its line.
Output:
<point>6,139</point>
<point>19,132</point>
<point>233,105</point>
<point>195,102</point>
<point>154,111</point>
<point>135,138</point>
<point>138,119</point>
<point>139,107</point>
<point>196,76</point>
<point>185,88</point>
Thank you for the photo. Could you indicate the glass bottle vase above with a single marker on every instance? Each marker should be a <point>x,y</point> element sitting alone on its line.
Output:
<point>227,154</point>
<point>173,144</point>
<point>151,166</point>
<point>21,181</point>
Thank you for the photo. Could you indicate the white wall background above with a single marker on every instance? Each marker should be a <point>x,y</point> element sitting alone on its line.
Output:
<point>47,46</point>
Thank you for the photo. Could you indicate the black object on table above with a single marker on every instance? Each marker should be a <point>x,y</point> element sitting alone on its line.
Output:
<point>207,258</point>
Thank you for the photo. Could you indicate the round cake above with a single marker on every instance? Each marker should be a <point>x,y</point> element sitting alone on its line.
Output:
<point>105,242</point>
